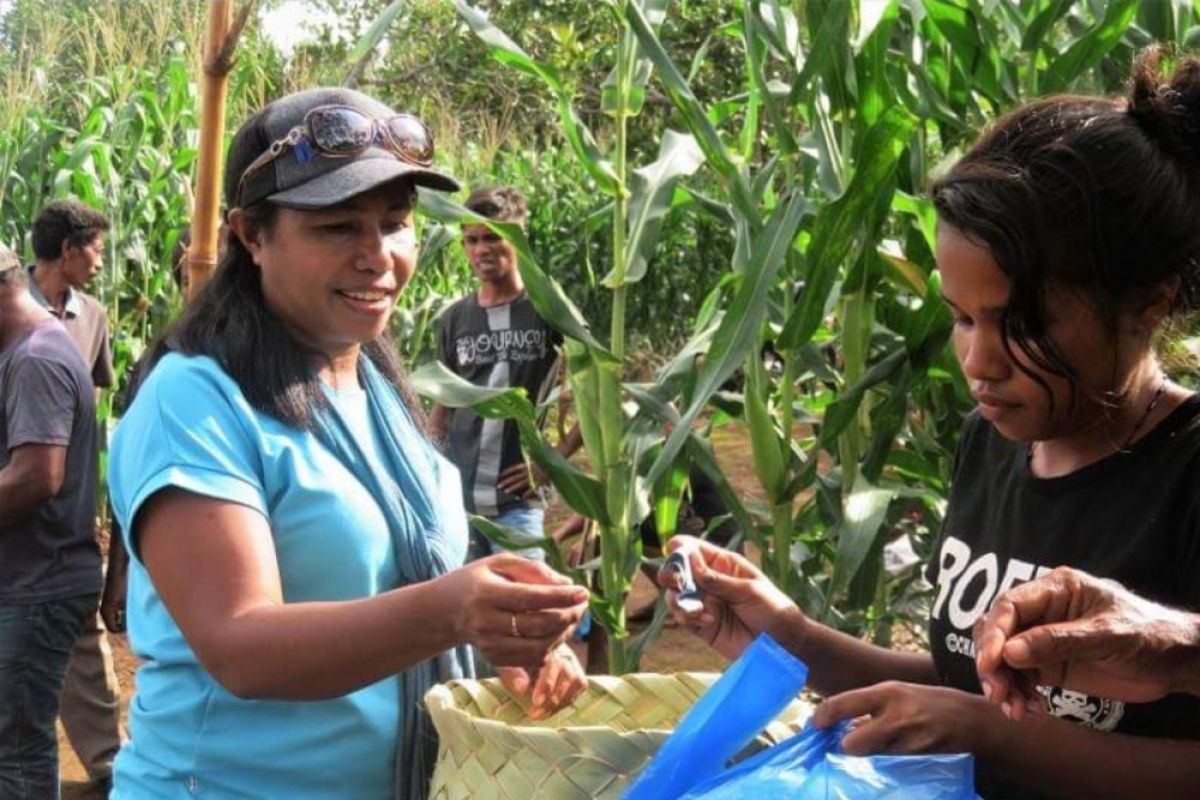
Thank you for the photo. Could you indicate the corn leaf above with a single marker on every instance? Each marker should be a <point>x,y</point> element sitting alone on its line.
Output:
<point>874,90</point>
<point>1088,49</point>
<point>959,22</point>
<point>841,412</point>
<point>505,50</point>
<point>370,40</point>
<point>655,12</point>
<point>644,639</point>
<point>758,36</point>
<point>740,327</point>
<point>1035,34</point>
<point>514,540</point>
<point>583,376</point>
<point>693,113</point>
<point>509,53</point>
<point>701,453</point>
<point>1166,20</point>
<point>829,30</point>
<point>839,224</point>
<point>653,190</point>
<point>581,491</point>
<point>887,420</point>
<point>862,516</point>
<point>764,436</point>
<point>870,15</point>
<point>435,381</point>
<point>586,150</point>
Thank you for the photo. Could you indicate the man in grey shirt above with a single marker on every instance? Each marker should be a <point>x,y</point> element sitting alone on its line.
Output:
<point>50,576</point>
<point>68,243</point>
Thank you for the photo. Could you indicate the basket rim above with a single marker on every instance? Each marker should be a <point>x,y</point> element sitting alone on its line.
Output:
<point>439,700</point>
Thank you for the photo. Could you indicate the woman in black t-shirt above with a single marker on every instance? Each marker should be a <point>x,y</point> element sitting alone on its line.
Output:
<point>1067,237</point>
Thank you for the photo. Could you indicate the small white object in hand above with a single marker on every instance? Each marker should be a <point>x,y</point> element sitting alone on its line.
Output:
<point>688,597</point>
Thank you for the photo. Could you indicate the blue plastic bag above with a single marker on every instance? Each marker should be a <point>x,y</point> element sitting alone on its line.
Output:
<point>809,766</point>
<point>750,694</point>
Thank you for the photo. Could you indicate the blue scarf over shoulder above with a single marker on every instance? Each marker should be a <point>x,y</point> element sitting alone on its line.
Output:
<point>402,482</point>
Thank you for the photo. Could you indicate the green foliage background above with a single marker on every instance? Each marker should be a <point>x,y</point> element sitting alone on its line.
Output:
<point>820,121</point>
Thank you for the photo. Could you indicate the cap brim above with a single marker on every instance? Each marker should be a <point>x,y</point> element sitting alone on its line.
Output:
<point>357,176</point>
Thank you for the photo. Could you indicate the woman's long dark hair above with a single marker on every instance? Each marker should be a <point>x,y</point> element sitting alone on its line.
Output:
<point>1097,195</point>
<point>229,321</point>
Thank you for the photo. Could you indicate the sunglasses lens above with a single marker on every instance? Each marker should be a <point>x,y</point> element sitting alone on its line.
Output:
<point>340,131</point>
<point>412,137</point>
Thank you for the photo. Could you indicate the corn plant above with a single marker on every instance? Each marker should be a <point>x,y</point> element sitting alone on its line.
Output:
<point>820,329</point>
<point>621,424</point>
<point>831,308</point>
<point>852,102</point>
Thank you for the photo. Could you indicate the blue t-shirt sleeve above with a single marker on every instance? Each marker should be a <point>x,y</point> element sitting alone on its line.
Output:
<point>190,428</point>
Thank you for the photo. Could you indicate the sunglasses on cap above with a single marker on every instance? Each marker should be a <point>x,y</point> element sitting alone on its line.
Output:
<point>344,132</point>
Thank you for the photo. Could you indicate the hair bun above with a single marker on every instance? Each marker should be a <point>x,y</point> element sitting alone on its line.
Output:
<point>1168,111</point>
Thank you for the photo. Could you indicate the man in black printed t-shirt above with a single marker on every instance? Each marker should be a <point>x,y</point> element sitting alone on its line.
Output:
<point>495,337</point>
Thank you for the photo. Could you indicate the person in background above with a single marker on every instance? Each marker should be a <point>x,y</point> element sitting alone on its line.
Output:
<point>295,542</point>
<point>68,243</point>
<point>1074,630</point>
<point>495,337</point>
<point>1067,236</point>
<point>50,573</point>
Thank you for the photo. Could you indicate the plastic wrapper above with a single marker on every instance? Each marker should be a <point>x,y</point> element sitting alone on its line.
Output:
<point>752,692</point>
<point>809,766</point>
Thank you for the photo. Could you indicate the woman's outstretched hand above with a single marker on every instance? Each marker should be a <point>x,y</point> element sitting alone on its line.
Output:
<point>514,610</point>
<point>555,684</point>
<point>739,602</point>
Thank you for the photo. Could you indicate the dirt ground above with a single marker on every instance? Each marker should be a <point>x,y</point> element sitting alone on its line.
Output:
<point>674,651</point>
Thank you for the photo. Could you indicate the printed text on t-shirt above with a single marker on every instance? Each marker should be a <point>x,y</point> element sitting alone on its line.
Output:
<point>971,583</point>
<point>505,345</point>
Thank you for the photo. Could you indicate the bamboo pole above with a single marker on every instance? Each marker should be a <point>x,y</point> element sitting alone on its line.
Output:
<point>219,45</point>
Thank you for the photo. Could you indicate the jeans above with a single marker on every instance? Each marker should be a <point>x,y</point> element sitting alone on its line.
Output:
<point>524,520</point>
<point>35,644</point>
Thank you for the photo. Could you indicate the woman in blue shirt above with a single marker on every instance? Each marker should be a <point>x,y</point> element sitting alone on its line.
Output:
<point>296,583</point>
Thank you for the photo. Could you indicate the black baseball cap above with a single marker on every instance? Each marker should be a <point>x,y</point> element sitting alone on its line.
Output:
<point>311,180</point>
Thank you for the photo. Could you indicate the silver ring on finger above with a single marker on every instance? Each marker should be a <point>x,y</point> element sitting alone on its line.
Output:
<point>513,630</point>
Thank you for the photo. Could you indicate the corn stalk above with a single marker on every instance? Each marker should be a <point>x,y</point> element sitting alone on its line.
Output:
<point>622,424</point>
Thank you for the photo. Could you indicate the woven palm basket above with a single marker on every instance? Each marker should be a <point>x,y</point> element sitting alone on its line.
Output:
<point>490,750</point>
